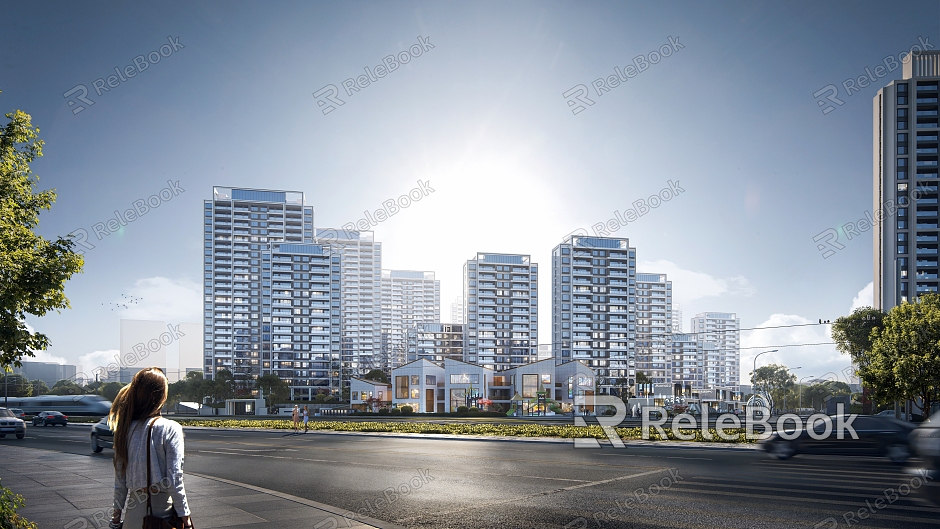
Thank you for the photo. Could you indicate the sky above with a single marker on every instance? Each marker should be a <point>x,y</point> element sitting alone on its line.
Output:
<point>724,105</point>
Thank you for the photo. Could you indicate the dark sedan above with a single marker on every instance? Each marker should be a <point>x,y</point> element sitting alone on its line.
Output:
<point>50,417</point>
<point>101,436</point>
<point>876,436</point>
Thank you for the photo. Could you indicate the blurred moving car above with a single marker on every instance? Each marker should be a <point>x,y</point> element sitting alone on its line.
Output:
<point>19,413</point>
<point>101,436</point>
<point>11,424</point>
<point>50,417</point>
<point>890,414</point>
<point>876,436</point>
<point>925,442</point>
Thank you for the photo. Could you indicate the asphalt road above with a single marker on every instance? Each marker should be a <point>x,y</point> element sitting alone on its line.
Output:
<point>443,483</point>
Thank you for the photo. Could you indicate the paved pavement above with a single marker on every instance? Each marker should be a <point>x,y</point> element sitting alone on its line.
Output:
<point>74,492</point>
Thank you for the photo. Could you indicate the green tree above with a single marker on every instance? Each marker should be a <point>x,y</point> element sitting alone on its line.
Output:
<point>376,374</point>
<point>33,270</point>
<point>15,385</point>
<point>223,385</point>
<point>775,380</point>
<point>853,335</point>
<point>905,354</point>
<point>275,390</point>
<point>642,380</point>
<point>39,387</point>
<point>109,390</point>
<point>66,387</point>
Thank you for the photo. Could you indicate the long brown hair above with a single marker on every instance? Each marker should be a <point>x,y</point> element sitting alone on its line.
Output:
<point>141,399</point>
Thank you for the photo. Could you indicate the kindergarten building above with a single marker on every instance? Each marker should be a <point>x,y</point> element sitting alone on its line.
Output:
<point>535,388</point>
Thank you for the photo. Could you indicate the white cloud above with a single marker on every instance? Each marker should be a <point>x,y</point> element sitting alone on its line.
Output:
<point>161,299</point>
<point>865,297</point>
<point>97,359</point>
<point>688,286</point>
<point>818,361</point>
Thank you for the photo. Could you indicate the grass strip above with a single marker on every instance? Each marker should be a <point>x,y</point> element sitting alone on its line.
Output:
<point>566,431</point>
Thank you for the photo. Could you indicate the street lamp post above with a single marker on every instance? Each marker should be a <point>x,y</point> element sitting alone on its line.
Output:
<point>754,371</point>
<point>801,389</point>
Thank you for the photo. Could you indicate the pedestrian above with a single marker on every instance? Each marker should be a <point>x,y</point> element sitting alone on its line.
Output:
<point>295,415</point>
<point>306,418</point>
<point>148,454</point>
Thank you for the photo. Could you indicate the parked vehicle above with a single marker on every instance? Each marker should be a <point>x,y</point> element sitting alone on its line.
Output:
<point>876,436</point>
<point>90,405</point>
<point>50,417</point>
<point>20,414</point>
<point>925,442</point>
<point>11,424</point>
<point>101,436</point>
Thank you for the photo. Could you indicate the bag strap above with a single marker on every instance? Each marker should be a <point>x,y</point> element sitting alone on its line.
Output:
<point>149,435</point>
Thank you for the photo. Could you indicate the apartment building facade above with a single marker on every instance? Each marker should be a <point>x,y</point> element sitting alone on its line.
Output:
<point>653,325</point>
<point>905,184</point>
<point>501,296</point>
<point>722,365</point>
<point>408,298</point>
<point>361,288</point>
<point>594,307</point>
<point>271,297</point>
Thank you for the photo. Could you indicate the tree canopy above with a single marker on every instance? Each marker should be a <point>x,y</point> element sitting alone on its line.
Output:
<point>774,380</point>
<point>33,270</point>
<point>904,361</point>
<point>376,374</point>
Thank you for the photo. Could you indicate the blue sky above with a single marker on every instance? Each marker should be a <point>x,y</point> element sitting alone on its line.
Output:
<point>731,116</point>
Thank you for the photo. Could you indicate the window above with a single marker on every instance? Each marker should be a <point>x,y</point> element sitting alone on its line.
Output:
<point>414,380</point>
<point>465,378</point>
<point>401,387</point>
<point>902,87</point>
<point>902,112</point>
<point>902,125</point>
<point>530,384</point>
<point>430,380</point>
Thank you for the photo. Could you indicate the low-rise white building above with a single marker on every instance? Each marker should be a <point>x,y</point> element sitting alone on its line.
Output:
<point>362,390</point>
<point>429,387</point>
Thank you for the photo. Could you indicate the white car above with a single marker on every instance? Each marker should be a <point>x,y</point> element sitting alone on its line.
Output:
<point>11,424</point>
<point>891,414</point>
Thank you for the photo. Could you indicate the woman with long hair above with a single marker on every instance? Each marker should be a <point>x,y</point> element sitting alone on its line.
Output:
<point>134,412</point>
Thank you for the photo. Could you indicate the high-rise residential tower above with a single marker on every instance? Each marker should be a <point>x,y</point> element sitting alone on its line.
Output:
<point>905,178</point>
<point>723,363</point>
<point>435,342</point>
<point>271,296</point>
<point>594,307</point>
<point>501,296</point>
<point>456,311</point>
<point>408,297</point>
<point>653,325</point>
<point>677,325</point>
<point>361,288</point>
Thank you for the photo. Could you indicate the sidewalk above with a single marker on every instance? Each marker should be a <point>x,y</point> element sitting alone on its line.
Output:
<point>70,491</point>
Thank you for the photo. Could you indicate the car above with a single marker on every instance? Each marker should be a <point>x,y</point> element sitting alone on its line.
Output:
<point>890,414</point>
<point>19,413</point>
<point>101,436</point>
<point>925,442</point>
<point>11,424</point>
<point>876,436</point>
<point>46,418</point>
